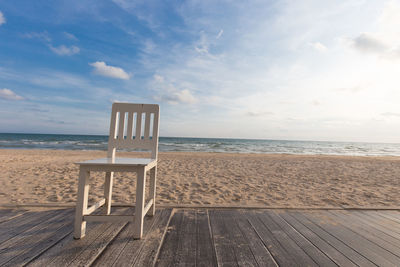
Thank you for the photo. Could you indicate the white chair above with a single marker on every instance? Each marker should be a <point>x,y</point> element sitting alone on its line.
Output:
<point>133,126</point>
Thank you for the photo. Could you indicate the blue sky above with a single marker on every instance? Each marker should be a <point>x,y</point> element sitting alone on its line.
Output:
<point>309,70</point>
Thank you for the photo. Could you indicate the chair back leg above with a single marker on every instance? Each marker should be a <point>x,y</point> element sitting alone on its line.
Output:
<point>139,207</point>
<point>153,180</point>
<point>81,204</point>
<point>108,184</point>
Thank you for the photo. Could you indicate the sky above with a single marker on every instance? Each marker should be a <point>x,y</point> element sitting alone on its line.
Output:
<point>292,70</point>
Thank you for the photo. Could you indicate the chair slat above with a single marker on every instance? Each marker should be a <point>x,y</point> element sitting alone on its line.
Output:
<point>113,133</point>
<point>121,125</point>
<point>138,126</point>
<point>130,121</point>
<point>155,127</point>
<point>147,126</point>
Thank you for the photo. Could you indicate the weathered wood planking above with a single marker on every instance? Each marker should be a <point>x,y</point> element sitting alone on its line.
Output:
<point>124,245</point>
<point>200,237</point>
<point>280,254</point>
<point>381,239</point>
<point>339,252</point>
<point>316,254</point>
<point>257,247</point>
<point>187,241</point>
<point>286,242</point>
<point>9,214</point>
<point>369,250</point>
<point>24,247</point>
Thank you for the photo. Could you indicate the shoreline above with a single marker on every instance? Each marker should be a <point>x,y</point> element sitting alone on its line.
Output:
<point>211,179</point>
<point>204,152</point>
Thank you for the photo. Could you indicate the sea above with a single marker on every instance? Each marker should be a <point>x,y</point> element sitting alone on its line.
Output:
<point>219,145</point>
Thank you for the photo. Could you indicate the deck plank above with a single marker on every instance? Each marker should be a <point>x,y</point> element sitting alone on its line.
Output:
<point>316,254</point>
<point>376,227</point>
<point>83,250</point>
<point>205,254</point>
<point>118,250</point>
<point>373,252</point>
<point>240,245</point>
<point>224,250</point>
<point>280,254</point>
<point>382,221</point>
<point>9,214</point>
<point>124,248</point>
<point>170,244</point>
<point>153,240</point>
<point>261,254</point>
<point>22,248</point>
<point>385,241</point>
<point>390,215</point>
<point>185,255</point>
<point>336,250</point>
<point>201,237</point>
<point>287,243</point>
<point>22,223</point>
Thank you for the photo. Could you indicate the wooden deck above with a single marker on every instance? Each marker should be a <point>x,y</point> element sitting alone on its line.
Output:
<point>206,237</point>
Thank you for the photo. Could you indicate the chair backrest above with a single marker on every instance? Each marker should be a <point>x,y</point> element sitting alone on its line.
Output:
<point>134,126</point>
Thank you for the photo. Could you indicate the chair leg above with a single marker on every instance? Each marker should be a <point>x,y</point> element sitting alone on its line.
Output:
<point>108,184</point>
<point>153,179</point>
<point>139,207</point>
<point>82,203</point>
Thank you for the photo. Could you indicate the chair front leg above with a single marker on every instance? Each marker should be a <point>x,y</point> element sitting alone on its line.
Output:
<point>108,184</point>
<point>153,180</point>
<point>82,203</point>
<point>139,207</point>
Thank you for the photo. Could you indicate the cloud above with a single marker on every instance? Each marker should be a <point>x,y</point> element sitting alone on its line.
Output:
<point>38,35</point>
<point>220,34</point>
<point>318,46</point>
<point>366,42</point>
<point>258,113</point>
<point>9,95</point>
<point>391,114</point>
<point>167,92</point>
<point>101,68</point>
<point>63,50</point>
<point>70,36</point>
<point>183,96</point>
<point>2,18</point>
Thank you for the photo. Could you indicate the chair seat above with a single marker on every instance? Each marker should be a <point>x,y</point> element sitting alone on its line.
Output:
<point>119,162</point>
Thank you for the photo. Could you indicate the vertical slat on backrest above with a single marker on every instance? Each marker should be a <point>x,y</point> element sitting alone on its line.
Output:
<point>147,126</point>
<point>138,125</point>
<point>130,121</point>
<point>154,151</point>
<point>113,132</point>
<point>121,125</point>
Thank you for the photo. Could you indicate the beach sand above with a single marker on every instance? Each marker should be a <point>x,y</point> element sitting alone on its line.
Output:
<point>50,176</point>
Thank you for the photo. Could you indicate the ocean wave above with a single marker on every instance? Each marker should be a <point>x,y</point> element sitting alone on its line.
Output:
<point>87,142</point>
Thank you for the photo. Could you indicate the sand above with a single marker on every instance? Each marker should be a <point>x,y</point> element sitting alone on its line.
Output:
<point>50,176</point>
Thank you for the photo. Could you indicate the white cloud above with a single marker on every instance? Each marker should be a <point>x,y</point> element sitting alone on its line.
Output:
<point>258,113</point>
<point>179,96</point>
<point>70,36</point>
<point>168,92</point>
<point>63,50</point>
<point>101,68</point>
<point>366,42</point>
<point>38,35</point>
<point>390,114</point>
<point>2,18</point>
<point>9,95</point>
<point>319,46</point>
<point>220,34</point>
